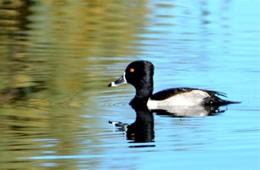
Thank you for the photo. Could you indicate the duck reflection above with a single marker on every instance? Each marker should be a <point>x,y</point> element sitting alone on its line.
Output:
<point>142,130</point>
<point>190,111</point>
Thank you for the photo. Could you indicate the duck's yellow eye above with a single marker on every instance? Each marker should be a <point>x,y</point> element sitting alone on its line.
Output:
<point>132,70</point>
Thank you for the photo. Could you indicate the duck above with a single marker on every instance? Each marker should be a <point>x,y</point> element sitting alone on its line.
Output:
<point>182,101</point>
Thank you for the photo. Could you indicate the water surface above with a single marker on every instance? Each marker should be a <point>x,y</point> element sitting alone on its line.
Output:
<point>57,58</point>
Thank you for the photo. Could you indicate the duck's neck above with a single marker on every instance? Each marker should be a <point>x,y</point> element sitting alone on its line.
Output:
<point>144,91</point>
<point>142,95</point>
<point>144,87</point>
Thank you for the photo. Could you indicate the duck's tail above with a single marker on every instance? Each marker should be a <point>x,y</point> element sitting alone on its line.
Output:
<point>216,101</point>
<point>226,102</point>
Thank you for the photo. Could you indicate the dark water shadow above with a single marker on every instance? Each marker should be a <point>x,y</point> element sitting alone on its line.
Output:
<point>142,130</point>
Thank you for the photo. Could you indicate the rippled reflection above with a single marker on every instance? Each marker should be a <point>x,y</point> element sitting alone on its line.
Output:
<point>58,55</point>
<point>50,73</point>
<point>142,130</point>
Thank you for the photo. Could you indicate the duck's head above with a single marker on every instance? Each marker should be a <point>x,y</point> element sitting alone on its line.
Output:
<point>140,75</point>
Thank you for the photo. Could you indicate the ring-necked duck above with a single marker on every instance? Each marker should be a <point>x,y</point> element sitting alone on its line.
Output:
<point>140,75</point>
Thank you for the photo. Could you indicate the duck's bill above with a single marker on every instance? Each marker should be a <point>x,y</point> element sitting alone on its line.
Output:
<point>118,82</point>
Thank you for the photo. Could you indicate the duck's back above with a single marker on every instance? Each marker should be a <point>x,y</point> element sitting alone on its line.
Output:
<point>187,97</point>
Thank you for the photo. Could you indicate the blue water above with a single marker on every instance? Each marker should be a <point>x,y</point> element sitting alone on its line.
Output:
<point>58,57</point>
<point>217,51</point>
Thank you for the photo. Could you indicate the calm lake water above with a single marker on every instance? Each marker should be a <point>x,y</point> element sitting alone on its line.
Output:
<point>57,57</point>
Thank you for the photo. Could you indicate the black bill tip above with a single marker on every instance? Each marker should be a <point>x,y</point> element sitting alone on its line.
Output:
<point>118,82</point>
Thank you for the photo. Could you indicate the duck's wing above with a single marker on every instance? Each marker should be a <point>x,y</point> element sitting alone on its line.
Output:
<point>212,98</point>
<point>215,100</point>
<point>214,93</point>
<point>164,94</point>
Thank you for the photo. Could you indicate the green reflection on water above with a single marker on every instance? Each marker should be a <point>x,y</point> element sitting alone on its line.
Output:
<point>54,56</point>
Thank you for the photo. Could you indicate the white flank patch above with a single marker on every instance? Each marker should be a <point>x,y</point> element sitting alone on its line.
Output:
<point>192,98</point>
